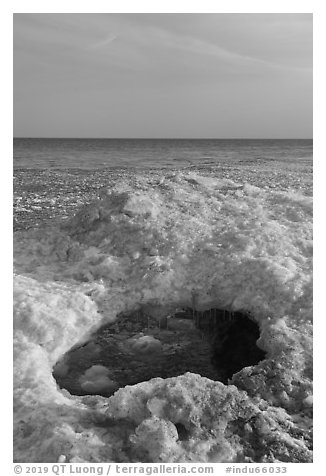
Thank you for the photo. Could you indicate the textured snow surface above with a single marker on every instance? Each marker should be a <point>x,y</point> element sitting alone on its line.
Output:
<point>160,243</point>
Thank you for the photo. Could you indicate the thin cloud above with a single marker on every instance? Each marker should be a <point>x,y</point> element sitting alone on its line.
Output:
<point>103,43</point>
<point>204,48</point>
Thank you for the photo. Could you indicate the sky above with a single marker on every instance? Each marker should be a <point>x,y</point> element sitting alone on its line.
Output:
<point>195,75</point>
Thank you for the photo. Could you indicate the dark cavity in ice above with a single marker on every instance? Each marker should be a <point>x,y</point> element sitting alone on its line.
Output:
<point>183,433</point>
<point>214,343</point>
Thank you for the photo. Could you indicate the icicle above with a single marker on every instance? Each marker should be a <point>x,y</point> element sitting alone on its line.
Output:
<point>193,303</point>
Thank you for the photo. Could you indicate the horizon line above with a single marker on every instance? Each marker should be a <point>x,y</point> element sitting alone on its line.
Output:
<point>164,138</point>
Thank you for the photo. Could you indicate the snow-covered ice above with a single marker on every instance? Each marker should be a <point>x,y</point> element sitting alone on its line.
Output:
<point>177,240</point>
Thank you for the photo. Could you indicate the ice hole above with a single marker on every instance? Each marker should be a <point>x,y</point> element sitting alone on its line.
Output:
<point>137,347</point>
<point>183,433</point>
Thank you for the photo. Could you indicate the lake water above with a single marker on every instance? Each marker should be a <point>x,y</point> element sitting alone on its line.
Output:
<point>153,153</point>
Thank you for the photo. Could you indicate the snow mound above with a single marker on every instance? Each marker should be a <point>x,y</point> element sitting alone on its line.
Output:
<point>186,240</point>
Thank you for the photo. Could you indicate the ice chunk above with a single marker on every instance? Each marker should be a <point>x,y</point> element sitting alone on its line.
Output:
<point>308,401</point>
<point>155,439</point>
<point>96,379</point>
<point>141,204</point>
<point>146,345</point>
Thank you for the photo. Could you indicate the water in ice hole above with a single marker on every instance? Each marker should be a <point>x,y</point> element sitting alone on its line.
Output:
<point>135,348</point>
